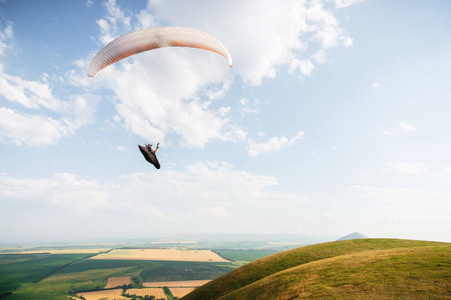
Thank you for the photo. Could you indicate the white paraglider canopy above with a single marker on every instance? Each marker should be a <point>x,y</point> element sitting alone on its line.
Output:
<point>153,38</point>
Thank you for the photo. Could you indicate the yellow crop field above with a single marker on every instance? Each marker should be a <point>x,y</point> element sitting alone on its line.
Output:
<point>157,292</point>
<point>181,291</point>
<point>65,251</point>
<point>106,294</point>
<point>117,281</point>
<point>162,254</point>
<point>186,283</point>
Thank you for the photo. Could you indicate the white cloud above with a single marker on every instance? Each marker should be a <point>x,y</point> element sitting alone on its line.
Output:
<point>33,129</point>
<point>170,100</point>
<point>320,57</point>
<point>404,126</point>
<point>114,24</point>
<point>176,100</point>
<point>305,66</point>
<point>42,118</point>
<point>249,107</point>
<point>375,85</point>
<point>6,35</point>
<point>401,127</point>
<point>202,193</point>
<point>407,168</point>
<point>30,94</point>
<point>345,3</point>
<point>278,35</point>
<point>273,144</point>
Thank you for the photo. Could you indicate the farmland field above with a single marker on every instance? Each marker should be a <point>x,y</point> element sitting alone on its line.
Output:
<point>18,269</point>
<point>185,283</point>
<point>56,276</point>
<point>106,294</point>
<point>157,292</point>
<point>244,256</point>
<point>117,281</point>
<point>180,271</point>
<point>89,275</point>
<point>162,254</point>
<point>180,292</point>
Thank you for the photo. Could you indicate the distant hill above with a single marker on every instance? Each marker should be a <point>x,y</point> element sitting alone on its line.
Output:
<point>353,236</point>
<point>357,269</point>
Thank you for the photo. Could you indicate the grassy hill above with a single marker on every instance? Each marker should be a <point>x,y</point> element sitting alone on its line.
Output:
<point>351,269</point>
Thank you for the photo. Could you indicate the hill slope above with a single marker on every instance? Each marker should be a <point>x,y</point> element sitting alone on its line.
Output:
<point>382,268</point>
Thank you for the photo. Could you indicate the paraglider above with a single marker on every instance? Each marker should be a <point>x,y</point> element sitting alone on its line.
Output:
<point>153,38</point>
<point>148,39</point>
<point>149,154</point>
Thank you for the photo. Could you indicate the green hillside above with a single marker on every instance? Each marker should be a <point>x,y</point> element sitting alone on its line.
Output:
<point>351,269</point>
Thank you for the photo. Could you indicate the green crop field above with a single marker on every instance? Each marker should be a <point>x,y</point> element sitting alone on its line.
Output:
<point>244,255</point>
<point>178,271</point>
<point>99,264</point>
<point>16,270</point>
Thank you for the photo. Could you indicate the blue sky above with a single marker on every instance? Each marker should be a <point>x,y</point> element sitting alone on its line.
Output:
<point>333,119</point>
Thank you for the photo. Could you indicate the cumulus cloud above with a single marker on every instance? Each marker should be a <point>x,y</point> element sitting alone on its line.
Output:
<point>39,117</point>
<point>32,129</point>
<point>375,85</point>
<point>279,34</point>
<point>114,23</point>
<point>207,190</point>
<point>273,144</point>
<point>182,99</point>
<point>305,66</point>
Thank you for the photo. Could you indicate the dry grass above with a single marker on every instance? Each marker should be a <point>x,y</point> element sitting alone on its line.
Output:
<point>412,273</point>
<point>106,294</point>
<point>340,269</point>
<point>157,292</point>
<point>117,281</point>
<point>162,254</point>
<point>186,283</point>
<point>181,292</point>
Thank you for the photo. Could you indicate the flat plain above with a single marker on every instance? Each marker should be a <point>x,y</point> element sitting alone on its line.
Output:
<point>162,254</point>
